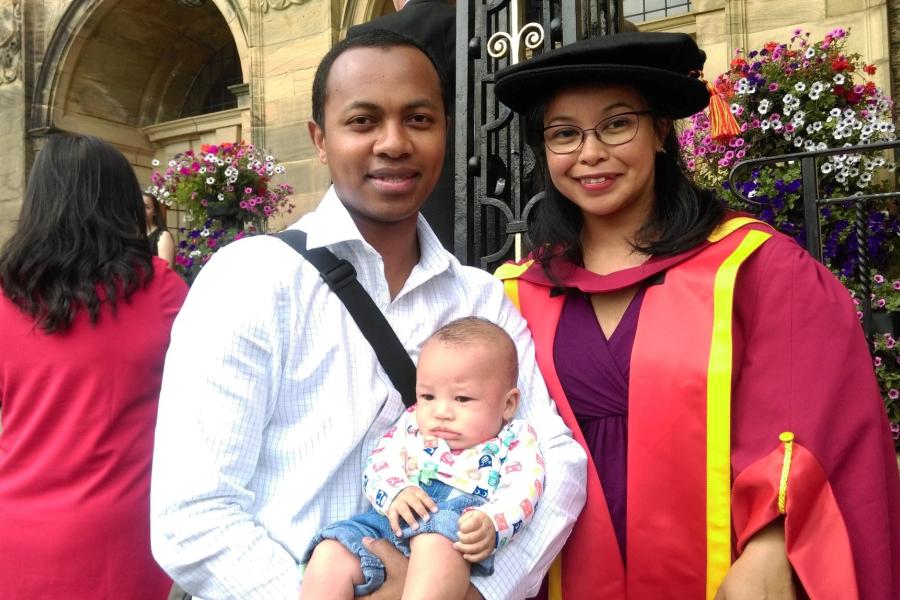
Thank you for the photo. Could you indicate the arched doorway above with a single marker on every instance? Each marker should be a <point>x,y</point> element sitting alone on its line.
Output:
<point>154,79</point>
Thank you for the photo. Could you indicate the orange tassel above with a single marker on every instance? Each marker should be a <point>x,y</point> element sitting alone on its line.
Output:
<point>722,123</point>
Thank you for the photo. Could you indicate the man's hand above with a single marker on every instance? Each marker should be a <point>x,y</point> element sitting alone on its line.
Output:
<point>476,536</point>
<point>763,571</point>
<point>407,504</point>
<point>394,569</point>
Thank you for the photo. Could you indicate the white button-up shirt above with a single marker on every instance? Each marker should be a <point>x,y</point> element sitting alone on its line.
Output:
<point>272,400</point>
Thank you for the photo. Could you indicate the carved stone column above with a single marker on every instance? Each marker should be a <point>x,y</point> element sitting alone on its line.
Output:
<point>12,116</point>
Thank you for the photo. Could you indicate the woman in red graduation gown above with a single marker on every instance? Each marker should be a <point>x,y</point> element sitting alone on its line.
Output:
<point>85,314</point>
<point>715,373</point>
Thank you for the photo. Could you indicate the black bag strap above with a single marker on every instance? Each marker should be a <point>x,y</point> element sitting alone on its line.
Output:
<point>340,276</point>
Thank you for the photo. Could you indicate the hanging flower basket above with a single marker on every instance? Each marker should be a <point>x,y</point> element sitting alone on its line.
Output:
<point>226,191</point>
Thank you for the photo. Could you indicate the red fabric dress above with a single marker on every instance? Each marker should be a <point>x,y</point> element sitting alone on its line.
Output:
<point>78,418</point>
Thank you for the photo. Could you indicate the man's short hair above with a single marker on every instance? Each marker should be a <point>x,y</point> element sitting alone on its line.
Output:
<point>468,330</point>
<point>377,38</point>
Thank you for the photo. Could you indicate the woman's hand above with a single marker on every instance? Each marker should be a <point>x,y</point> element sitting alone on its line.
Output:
<point>476,536</point>
<point>763,571</point>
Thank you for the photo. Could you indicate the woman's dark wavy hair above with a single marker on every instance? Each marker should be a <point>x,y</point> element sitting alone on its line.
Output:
<point>158,221</point>
<point>683,214</point>
<point>81,237</point>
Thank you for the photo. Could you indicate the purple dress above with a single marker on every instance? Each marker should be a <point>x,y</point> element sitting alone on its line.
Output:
<point>593,371</point>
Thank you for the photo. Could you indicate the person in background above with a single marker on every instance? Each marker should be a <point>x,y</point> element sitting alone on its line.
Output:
<point>263,436</point>
<point>715,372</point>
<point>432,23</point>
<point>85,314</point>
<point>162,244</point>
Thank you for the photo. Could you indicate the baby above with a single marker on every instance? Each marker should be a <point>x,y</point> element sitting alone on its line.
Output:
<point>452,482</point>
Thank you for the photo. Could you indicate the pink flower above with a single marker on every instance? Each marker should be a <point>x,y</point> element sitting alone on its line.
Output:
<point>881,302</point>
<point>248,190</point>
<point>896,285</point>
<point>879,278</point>
<point>877,361</point>
<point>893,394</point>
<point>243,204</point>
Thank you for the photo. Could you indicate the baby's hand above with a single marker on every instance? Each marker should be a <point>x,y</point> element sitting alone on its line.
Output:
<point>411,501</point>
<point>476,536</point>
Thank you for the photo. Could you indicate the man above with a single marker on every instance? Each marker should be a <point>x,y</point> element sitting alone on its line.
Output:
<point>432,23</point>
<point>272,398</point>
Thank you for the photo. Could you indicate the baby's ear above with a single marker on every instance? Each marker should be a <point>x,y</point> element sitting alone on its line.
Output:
<point>510,404</point>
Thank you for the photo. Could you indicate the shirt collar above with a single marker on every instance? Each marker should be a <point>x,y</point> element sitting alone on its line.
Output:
<point>330,223</point>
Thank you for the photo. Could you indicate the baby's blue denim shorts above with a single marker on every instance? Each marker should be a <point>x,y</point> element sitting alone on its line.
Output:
<point>350,533</point>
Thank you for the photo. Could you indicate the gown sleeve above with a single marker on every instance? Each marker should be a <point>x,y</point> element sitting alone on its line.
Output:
<point>810,438</point>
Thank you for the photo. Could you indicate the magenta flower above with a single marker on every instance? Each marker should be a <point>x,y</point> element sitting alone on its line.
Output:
<point>879,278</point>
<point>893,394</point>
<point>896,285</point>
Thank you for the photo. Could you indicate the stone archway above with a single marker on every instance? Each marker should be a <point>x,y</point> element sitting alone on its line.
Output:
<point>159,49</point>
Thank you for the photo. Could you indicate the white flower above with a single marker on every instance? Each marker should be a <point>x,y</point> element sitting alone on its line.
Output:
<point>865,177</point>
<point>194,253</point>
<point>173,164</point>
<point>814,95</point>
<point>835,112</point>
<point>817,126</point>
<point>202,170</point>
<point>154,162</point>
<point>279,169</point>
<point>204,233</point>
<point>210,180</point>
<point>220,162</point>
<point>765,125</point>
<point>825,168</point>
<point>228,159</point>
<point>210,157</point>
<point>763,107</point>
<point>821,146</point>
<point>799,87</point>
<point>810,52</point>
<point>270,159</point>
<point>798,141</point>
<point>752,194</point>
<point>221,197</point>
<point>838,79</point>
<point>166,194</point>
<point>817,87</point>
<point>840,178</point>
<point>849,114</point>
<point>735,108</point>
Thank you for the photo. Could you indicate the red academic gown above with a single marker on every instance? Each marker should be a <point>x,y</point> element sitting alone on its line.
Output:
<point>798,365</point>
<point>78,418</point>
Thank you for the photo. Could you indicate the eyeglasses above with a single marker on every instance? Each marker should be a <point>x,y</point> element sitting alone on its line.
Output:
<point>613,131</point>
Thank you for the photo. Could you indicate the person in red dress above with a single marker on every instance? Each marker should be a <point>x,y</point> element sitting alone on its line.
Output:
<point>85,314</point>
